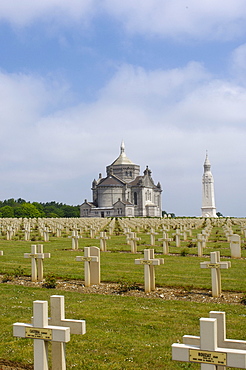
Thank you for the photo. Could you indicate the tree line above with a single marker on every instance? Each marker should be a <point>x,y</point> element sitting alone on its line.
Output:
<point>22,208</point>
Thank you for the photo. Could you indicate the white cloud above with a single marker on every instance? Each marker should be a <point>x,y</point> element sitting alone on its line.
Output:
<point>215,19</point>
<point>238,64</point>
<point>24,12</point>
<point>168,118</point>
<point>210,19</point>
<point>24,99</point>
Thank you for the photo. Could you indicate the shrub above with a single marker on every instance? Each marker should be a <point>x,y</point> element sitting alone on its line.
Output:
<point>50,282</point>
<point>18,271</point>
<point>183,252</point>
<point>126,286</point>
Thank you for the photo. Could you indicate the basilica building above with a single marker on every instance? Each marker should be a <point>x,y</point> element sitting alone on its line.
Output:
<point>123,192</point>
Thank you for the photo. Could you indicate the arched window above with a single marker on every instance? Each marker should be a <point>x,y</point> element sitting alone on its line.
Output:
<point>135,198</point>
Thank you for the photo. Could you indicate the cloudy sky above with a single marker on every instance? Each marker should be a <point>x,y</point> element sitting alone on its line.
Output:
<point>168,77</point>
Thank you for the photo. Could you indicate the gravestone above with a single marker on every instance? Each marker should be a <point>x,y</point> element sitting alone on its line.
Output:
<point>42,333</point>
<point>37,256</point>
<point>58,319</point>
<point>235,245</point>
<point>211,349</point>
<point>149,272</point>
<point>177,236</point>
<point>152,234</point>
<point>215,265</point>
<point>165,242</point>
<point>91,261</point>
<point>133,241</point>
<point>1,253</point>
<point>46,232</point>
<point>103,237</point>
<point>201,243</point>
<point>75,239</point>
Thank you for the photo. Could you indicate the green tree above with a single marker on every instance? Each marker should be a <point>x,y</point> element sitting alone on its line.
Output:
<point>27,210</point>
<point>70,211</point>
<point>219,214</point>
<point>7,211</point>
<point>9,202</point>
<point>40,208</point>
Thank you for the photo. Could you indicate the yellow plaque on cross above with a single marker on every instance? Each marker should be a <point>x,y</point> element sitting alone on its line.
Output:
<point>38,333</point>
<point>213,265</point>
<point>207,357</point>
<point>146,262</point>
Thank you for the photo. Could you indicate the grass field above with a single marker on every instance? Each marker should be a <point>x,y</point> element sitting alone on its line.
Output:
<point>122,332</point>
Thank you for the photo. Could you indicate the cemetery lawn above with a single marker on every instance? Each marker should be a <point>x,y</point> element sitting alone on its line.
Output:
<point>117,264</point>
<point>122,332</point>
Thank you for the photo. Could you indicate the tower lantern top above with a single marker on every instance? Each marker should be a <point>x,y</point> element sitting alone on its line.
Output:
<point>207,164</point>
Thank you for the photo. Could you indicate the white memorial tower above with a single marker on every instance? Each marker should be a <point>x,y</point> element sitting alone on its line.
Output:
<point>208,202</point>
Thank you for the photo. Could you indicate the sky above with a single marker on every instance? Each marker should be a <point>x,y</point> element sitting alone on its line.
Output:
<point>168,77</point>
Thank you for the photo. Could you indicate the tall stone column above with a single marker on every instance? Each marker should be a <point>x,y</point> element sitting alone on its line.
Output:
<point>208,202</point>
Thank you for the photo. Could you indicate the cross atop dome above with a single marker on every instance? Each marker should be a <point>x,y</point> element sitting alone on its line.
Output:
<point>122,147</point>
<point>122,159</point>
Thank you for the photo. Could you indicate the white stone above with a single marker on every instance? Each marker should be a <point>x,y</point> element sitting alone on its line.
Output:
<point>165,242</point>
<point>211,345</point>
<point>103,238</point>
<point>91,261</point>
<point>149,272</point>
<point>41,332</point>
<point>58,319</point>
<point>208,200</point>
<point>235,245</point>
<point>133,241</point>
<point>215,265</point>
<point>37,256</point>
<point>75,239</point>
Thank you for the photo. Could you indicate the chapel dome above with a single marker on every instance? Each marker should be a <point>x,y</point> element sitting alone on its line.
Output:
<point>122,159</point>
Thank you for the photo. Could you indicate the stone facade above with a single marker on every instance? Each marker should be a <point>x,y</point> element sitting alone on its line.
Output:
<point>123,192</point>
<point>208,200</point>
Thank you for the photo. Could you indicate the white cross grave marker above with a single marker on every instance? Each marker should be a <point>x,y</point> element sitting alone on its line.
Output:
<point>46,232</point>
<point>58,319</point>
<point>37,256</point>
<point>92,231</point>
<point>177,235</point>
<point>91,259</point>
<point>42,333</point>
<point>133,241</point>
<point>165,242</point>
<point>149,272</point>
<point>215,265</point>
<point>152,234</point>
<point>103,237</point>
<point>201,243</point>
<point>75,239</point>
<point>212,350</point>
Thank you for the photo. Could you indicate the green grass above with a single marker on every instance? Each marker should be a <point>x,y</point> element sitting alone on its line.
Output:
<point>122,332</point>
<point>117,265</point>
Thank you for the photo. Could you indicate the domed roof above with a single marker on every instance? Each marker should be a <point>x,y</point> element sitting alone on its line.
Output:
<point>122,159</point>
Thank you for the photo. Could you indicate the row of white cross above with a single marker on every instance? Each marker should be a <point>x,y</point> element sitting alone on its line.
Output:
<point>91,261</point>
<point>211,349</point>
